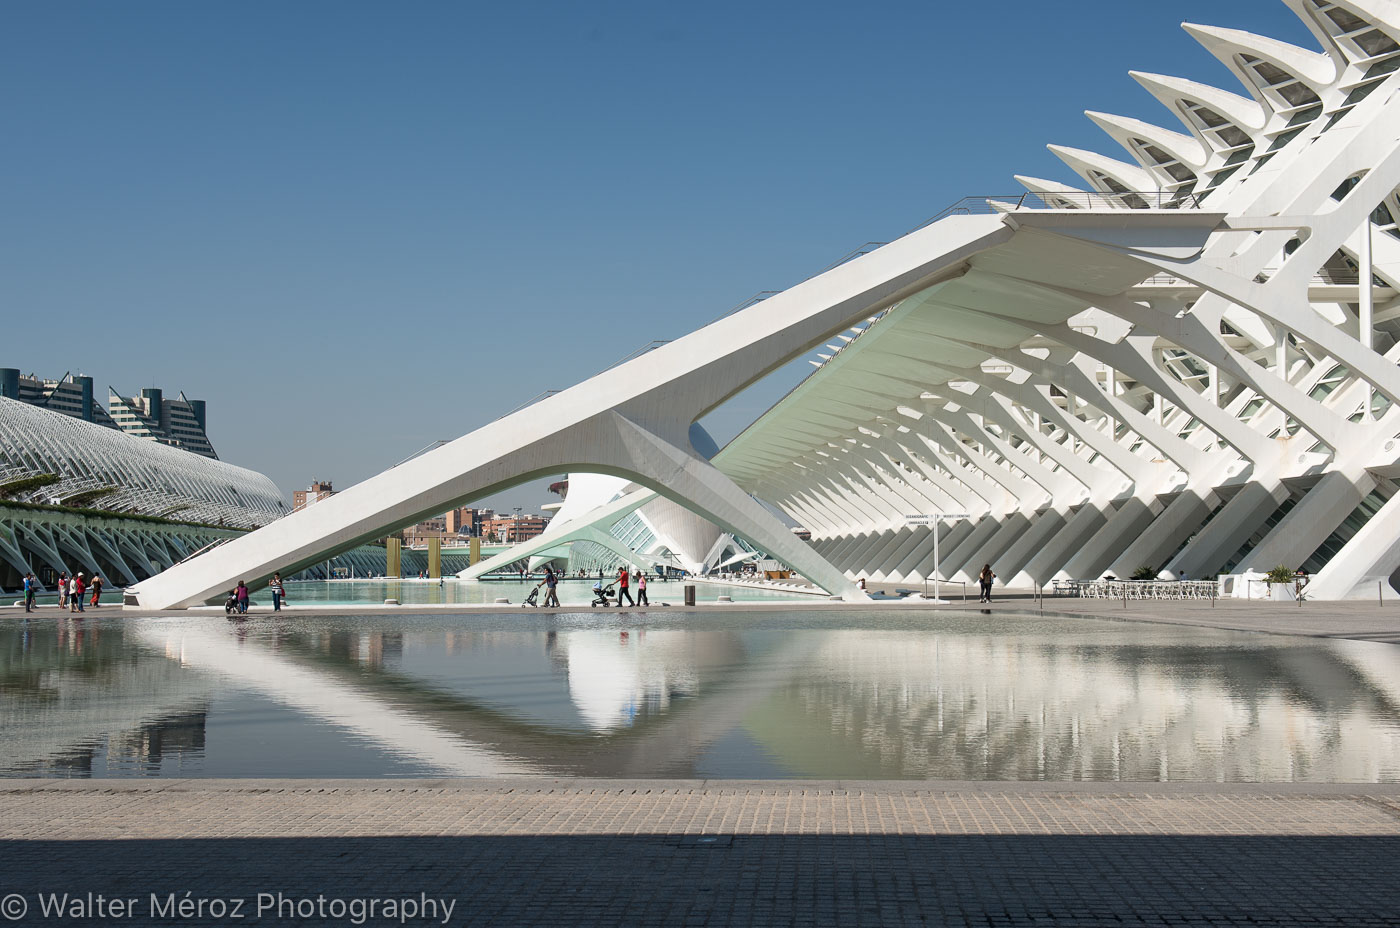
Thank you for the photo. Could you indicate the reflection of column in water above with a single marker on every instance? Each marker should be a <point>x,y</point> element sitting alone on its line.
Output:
<point>614,675</point>
<point>1093,705</point>
<point>322,696</point>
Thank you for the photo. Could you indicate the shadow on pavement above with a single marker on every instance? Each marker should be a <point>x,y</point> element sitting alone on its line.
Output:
<point>738,880</point>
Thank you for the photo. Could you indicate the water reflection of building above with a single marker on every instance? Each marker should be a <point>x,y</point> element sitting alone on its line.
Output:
<point>615,675</point>
<point>964,701</point>
<point>75,695</point>
<point>371,648</point>
<point>1077,705</point>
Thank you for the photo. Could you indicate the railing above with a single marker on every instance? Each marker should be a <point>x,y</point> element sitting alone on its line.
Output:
<point>648,347</point>
<point>209,547</point>
<point>426,448</point>
<point>1068,199</point>
<point>1135,589</point>
<point>1328,279</point>
<point>865,249</point>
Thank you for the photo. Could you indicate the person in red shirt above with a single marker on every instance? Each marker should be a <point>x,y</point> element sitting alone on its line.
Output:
<point>622,587</point>
<point>75,597</point>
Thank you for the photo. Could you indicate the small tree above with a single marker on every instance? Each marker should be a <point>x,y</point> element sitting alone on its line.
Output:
<point>1145,573</point>
<point>1280,574</point>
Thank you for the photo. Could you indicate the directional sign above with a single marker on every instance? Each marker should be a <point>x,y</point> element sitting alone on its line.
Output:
<point>928,518</point>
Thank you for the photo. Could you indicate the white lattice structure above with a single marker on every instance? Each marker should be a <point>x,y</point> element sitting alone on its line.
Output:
<point>1189,364</point>
<point>1229,411</point>
<point>104,469</point>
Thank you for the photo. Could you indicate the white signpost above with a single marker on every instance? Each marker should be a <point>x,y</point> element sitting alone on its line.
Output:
<point>933,518</point>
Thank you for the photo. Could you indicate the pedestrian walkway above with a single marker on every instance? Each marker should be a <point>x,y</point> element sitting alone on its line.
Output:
<point>1364,620</point>
<point>569,852</point>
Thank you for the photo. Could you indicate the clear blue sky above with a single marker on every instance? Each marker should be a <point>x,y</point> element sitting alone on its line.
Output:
<point>355,228</point>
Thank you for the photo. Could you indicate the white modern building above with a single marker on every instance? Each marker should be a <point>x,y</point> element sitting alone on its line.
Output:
<point>1187,362</point>
<point>75,495</point>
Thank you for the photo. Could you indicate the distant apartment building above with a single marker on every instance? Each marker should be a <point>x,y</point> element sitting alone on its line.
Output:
<point>486,524</point>
<point>70,394</point>
<point>512,529</point>
<point>467,521</point>
<point>416,536</point>
<point>179,422</point>
<point>319,490</point>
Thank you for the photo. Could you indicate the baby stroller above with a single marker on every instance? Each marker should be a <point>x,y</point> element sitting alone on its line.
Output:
<point>231,604</point>
<point>600,596</point>
<point>531,600</point>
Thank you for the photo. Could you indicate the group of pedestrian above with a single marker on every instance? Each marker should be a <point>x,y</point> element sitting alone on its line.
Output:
<point>239,596</point>
<point>71,591</point>
<point>624,587</point>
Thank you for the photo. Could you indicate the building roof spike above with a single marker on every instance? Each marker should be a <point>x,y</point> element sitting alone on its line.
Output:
<point>1094,168</point>
<point>1122,129</point>
<point>1245,113</point>
<point>1312,67</point>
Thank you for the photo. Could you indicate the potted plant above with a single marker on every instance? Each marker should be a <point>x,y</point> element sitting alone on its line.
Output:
<point>1282,587</point>
<point>1145,572</point>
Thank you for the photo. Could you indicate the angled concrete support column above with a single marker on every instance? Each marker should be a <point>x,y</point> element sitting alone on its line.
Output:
<point>591,527</point>
<point>847,554</point>
<point>948,541</point>
<point>1012,529</point>
<point>682,475</point>
<point>878,564</point>
<point>858,555</point>
<point>1309,523</point>
<point>1062,546</point>
<point>1182,516</point>
<point>916,536</point>
<point>113,555</point>
<point>1042,528</point>
<point>10,551</point>
<point>632,420</point>
<point>950,561</point>
<point>1093,558</point>
<point>1213,547</point>
<point>1363,567</point>
<point>912,567</point>
<point>41,543</point>
<point>72,541</point>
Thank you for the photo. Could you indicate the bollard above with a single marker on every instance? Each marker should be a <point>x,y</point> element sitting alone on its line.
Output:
<point>1380,593</point>
<point>690,595</point>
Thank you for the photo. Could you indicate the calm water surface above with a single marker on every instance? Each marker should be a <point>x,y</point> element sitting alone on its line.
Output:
<point>741,694</point>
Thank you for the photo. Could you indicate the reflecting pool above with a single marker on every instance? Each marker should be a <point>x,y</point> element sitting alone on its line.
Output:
<point>958,696</point>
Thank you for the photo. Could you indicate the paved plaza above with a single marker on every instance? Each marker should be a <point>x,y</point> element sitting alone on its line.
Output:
<point>569,852</point>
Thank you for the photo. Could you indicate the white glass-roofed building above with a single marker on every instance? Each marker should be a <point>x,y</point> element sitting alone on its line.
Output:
<point>118,472</point>
<point>1183,363</point>
<point>78,495</point>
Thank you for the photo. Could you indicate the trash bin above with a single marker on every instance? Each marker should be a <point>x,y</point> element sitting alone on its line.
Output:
<point>690,594</point>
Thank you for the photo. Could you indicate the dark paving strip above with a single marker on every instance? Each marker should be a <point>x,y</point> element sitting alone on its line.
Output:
<point>670,880</point>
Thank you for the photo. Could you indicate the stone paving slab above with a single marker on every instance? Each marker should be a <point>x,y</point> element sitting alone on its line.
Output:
<point>623,853</point>
<point>98,809</point>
